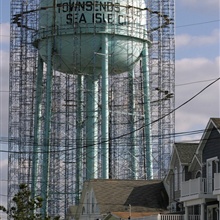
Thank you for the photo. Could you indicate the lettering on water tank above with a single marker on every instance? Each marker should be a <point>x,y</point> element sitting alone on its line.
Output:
<point>98,12</point>
<point>88,6</point>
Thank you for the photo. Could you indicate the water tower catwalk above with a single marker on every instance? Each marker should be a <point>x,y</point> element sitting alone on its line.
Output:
<point>82,97</point>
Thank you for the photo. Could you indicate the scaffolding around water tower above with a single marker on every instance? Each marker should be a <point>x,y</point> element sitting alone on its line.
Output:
<point>54,129</point>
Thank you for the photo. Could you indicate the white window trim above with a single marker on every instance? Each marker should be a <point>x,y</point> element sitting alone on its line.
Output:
<point>209,173</point>
<point>212,159</point>
<point>211,207</point>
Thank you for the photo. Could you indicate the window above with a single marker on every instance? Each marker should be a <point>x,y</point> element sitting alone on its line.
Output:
<point>87,203</point>
<point>198,174</point>
<point>172,189</point>
<point>83,210</point>
<point>184,173</point>
<point>93,203</point>
<point>180,177</point>
<point>211,166</point>
<point>175,179</point>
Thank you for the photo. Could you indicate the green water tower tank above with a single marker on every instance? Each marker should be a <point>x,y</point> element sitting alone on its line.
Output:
<point>77,27</point>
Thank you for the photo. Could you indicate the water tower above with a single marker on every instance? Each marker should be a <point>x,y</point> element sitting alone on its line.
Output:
<point>86,91</point>
<point>112,38</point>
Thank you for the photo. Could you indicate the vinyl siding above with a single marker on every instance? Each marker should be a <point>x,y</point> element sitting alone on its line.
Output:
<point>212,148</point>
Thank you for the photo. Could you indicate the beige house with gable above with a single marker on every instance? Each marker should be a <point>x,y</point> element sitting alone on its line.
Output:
<point>119,199</point>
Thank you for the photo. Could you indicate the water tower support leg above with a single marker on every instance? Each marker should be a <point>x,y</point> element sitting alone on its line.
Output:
<point>79,138</point>
<point>46,134</point>
<point>147,114</point>
<point>92,127</point>
<point>38,99</point>
<point>105,110</point>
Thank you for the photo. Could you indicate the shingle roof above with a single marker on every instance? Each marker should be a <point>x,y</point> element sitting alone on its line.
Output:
<point>186,151</point>
<point>216,121</point>
<point>142,195</point>
<point>213,123</point>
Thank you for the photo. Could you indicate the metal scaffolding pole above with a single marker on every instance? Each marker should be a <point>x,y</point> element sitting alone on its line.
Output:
<point>162,79</point>
<point>132,119</point>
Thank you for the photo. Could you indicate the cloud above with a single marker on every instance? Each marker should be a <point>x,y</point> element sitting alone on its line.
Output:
<point>3,182</point>
<point>192,75</point>
<point>197,41</point>
<point>196,68</point>
<point>4,87</point>
<point>200,121</point>
<point>4,70</point>
<point>4,64</point>
<point>5,33</point>
<point>201,5</point>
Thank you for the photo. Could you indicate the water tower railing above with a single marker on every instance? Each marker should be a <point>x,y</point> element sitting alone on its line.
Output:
<point>132,30</point>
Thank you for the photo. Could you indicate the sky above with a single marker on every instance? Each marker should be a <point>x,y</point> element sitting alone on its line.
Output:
<point>197,63</point>
<point>197,36</point>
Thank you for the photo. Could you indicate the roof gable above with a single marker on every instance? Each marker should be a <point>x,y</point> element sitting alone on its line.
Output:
<point>186,151</point>
<point>213,123</point>
<point>174,156</point>
<point>196,161</point>
<point>216,122</point>
<point>150,195</point>
<point>116,195</point>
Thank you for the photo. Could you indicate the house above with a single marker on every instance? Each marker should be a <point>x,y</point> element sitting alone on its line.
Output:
<point>121,199</point>
<point>197,186</point>
<point>182,155</point>
<point>193,186</point>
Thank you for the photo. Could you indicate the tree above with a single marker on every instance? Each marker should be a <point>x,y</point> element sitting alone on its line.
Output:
<point>25,206</point>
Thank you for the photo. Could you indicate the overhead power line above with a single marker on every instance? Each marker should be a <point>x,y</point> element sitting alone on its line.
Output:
<point>199,23</point>
<point>197,94</point>
<point>195,82</point>
<point>77,157</point>
<point>177,85</point>
<point>190,132</point>
<point>178,134</point>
